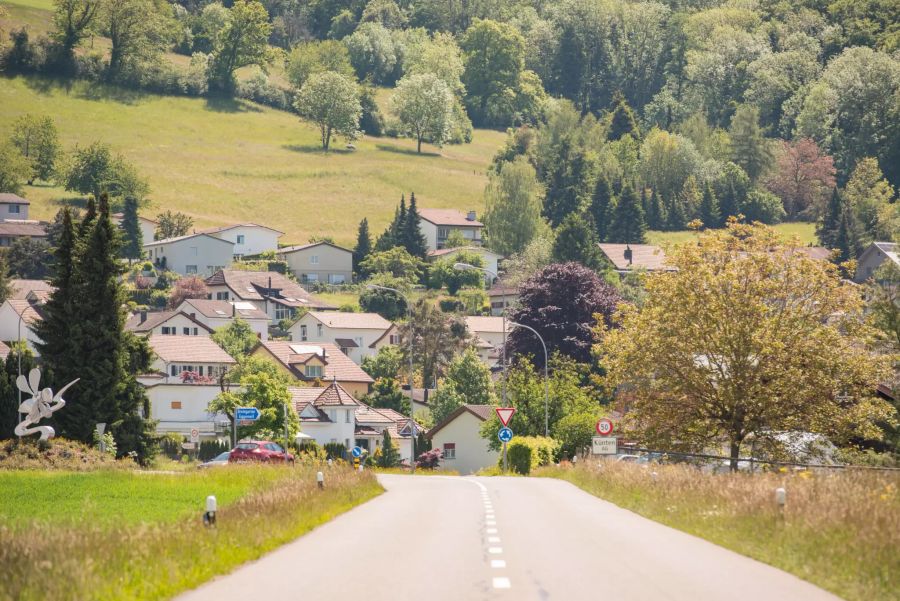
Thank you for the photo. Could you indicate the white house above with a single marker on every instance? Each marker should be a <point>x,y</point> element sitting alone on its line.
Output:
<point>319,262</point>
<point>147,226</point>
<point>488,334</point>
<point>166,323</point>
<point>181,407</point>
<point>271,292</point>
<point>502,297</point>
<point>36,290</point>
<point>872,258</point>
<point>17,317</point>
<point>198,355</point>
<point>216,314</point>
<point>437,225</point>
<point>13,206</point>
<point>13,229</point>
<point>458,437</point>
<point>248,238</point>
<point>490,259</point>
<point>194,254</point>
<point>357,334</point>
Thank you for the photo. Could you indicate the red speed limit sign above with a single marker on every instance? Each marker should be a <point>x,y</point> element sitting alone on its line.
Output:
<point>604,427</point>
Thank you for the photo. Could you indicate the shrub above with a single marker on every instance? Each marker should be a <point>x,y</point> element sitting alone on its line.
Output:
<point>429,460</point>
<point>335,450</point>
<point>525,453</point>
<point>57,453</point>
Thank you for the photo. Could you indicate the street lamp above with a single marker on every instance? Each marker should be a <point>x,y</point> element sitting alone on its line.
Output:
<point>470,267</point>
<point>19,357</point>
<point>546,378</point>
<point>412,422</point>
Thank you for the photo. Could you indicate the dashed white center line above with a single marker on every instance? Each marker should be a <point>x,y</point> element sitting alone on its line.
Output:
<point>502,583</point>
<point>490,523</point>
<point>495,550</point>
<point>493,539</point>
<point>492,531</point>
<point>498,563</point>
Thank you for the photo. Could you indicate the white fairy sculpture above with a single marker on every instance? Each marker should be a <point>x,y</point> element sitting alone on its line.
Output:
<point>41,405</point>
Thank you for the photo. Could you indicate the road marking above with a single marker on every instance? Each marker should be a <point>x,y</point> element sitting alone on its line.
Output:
<point>492,531</point>
<point>495,550</point>
<point>490,523</point>
<point>502,583</point>
<point>493,539</point>
<point>498,563</point>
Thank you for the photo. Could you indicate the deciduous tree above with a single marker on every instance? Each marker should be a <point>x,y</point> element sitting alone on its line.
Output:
<point>424,105</point>
<point>94,169</point>
<point>331,101</point>
<point>172,225</point>
<point>38,141</point>
<point>15,169</point>
<point>242,42</point>
<point>802,177</point>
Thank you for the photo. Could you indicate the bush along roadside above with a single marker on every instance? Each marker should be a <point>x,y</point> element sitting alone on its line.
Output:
<point>839,530</point>
<point>156,561</point>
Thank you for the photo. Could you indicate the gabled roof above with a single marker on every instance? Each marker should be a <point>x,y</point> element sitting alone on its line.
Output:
<point>448,217</point>
<point>21,227</point>
<point>441,252</point>
<point>7,198</point>
<point>222,309</point>
<point>121,216</point>
<point>485,323</point>
<point>255,286</point>
<point>297,247</point>
<point>177,239</point>
<point>225,228</point>
<point>24,309</point>
<point>482,412</point>
<point>21,288</point>
<point>333,395</point>
<point>351,321</point>
<point>157,318</point>
<point>338,366</point>
<point>346,343</point>
<point>188,349</point>
<point>643,256</point>
<point>386,333</point>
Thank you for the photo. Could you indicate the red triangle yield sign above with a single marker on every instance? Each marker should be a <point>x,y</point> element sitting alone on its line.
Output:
<point>505,414</point>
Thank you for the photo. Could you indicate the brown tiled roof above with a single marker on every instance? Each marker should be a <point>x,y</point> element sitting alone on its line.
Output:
<point>346,343</point>
<point>482,412</point>
<point>252,285</point>
<point>21,288</point>
<point>157,318</point>
<point>643,256</point>
<point>440,252</point>
<point>484,323</point>
<point>337,365</point>
<point>28,312</point>
<point>222,309</point>
<point>335,396</point>
<point>290,249</point>
<point>352,321</point>
<point>16,227</point>
<point>387,332</point>
<point>370,415</point>
<point>814,252</point>
<point>447,217</point>
<point>501,289</point>
<point>188,349</point>
<point>10,198</point>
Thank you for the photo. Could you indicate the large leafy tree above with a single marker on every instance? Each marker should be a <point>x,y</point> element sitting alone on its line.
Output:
<point>264,386</point>
<point>331,101</point>
<point>512,215</point>
<point>15,169</point>
<point>749,148</point>
<point>171,225</point>
<point>309,58</point>
<point>745,339</point>
<point>424,105</point>
<point>242,42</point>
<point>237,338</point>
<point>468,382</point>
<point>137,30</point>
<point>94,169</point>
<point>576,240</point>
<point>396,262</point>
<point>38,141</point>
<point>437,337</point>
<point>72,20</point>
<point>562,302</point>
<point>802,177</point>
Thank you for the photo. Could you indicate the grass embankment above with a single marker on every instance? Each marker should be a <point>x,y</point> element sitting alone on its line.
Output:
<point>127,535</point>
<point>840,531</point>
<point>234,161</point>
<point>806,232</point>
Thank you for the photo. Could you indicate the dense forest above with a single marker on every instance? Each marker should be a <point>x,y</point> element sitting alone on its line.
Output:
<point>632,115</point>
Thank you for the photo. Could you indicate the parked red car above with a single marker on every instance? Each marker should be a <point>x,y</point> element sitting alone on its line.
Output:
<point>259,450</point>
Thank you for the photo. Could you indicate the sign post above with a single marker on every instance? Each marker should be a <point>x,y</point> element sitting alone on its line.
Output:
<point>604,444</point>
<point>244,416</point>
<point>505,414</point>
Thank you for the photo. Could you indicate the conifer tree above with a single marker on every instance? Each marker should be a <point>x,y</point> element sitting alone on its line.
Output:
<point>623,121</point>
<point>676,219</point>
<point>392,235</point>
<point>709,208</point>
<point>576,240</point>
<point>749,147</point>
<point>656,215</point>
<point>389,455</point>
<point>602,207</point>
<point>846,239</point>
<point>363,246</point>
<point>133,246</point>
<point>628,223</point>
<point>730,204</point>
<point>826,230</point>
<point>5,285</point>
<point>411,234</point>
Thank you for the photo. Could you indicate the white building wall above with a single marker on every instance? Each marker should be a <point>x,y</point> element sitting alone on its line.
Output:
<point>430,231</point>
<point>148,229</point>
<point>179,323</point>
<point>203,254</point>
<point>338,430</point>
<point>472,453</point>
<point>321,263</point>
<point>10,328</point>
<point>362,337</point>
<point>255,239</point>
<point>181,407</point>
<point>8,211</point>
<point>180,366</point>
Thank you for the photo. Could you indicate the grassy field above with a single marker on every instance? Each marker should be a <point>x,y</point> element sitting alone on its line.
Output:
<point>806,232</point>
<point>140,553</point>
<point>840,530</point>
<point>223,161</point>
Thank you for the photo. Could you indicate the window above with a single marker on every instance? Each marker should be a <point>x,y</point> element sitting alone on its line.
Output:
<point>332,415</point>
<point>200,372</point>
<point>313,371</point>
<point>209,370</point>
<point>15,208</point>
<point>443,232</point>
<point>311,277</point>
<point>337,278</point>
<point>196,331</point>
<point>282,312</point>
<point>240,239</point>
<point>165,330</point>
<point>302,333</point>
<point>394,339</point>
<point>222,295</point>
<point>319,330</point>
<point>174,370</point>
<point>347,417</point>
<point>176,404</point>
<point>314,259</point>
<point>187,331</point>
<point>449,450</point>
<point>189,269</point>
<point>194,252</point>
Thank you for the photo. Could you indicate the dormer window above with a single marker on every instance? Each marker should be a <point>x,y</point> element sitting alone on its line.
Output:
<point>313,371</point>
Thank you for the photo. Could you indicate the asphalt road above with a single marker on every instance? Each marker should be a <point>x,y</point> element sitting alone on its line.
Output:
<point>434,538</point>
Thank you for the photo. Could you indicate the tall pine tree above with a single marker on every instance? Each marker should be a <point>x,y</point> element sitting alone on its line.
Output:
<point>709,208</point>
<point>411,234</point>
<point>676,219</point>
<point>133,239</point>
<point>628,223</point>
<point>846,239</point>
<point>602,207</point>
<point>623,121</point>
<point>729,205</point>
<point>656,215</point>
<point>576,240</point>
<point>826,230</point>
<point>363,246</point>
<point>391,236</point>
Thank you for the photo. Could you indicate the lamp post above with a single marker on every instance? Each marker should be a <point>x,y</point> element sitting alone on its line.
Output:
<point>19,357</point>
<point>546,377</point>
<point>412,422</point>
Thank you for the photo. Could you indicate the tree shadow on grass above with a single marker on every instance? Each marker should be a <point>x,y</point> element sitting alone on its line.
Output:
<point>315,149</point>
<point>409,151</point>
<point>82,89</point>
<point>224,104</point>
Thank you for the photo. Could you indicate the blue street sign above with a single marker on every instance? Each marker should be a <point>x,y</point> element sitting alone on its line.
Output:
<point>357,452</point>
<point>505,434</point>
<point>251,413</point>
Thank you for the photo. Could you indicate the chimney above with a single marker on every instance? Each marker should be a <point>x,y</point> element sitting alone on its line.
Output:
<point>233,310</point>
<point>193,315</point>
<point>143,316</point>
<point>470,216</point>
<point>628,253</point>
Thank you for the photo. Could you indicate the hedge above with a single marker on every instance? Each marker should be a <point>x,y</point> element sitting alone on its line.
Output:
<point>525,453</point>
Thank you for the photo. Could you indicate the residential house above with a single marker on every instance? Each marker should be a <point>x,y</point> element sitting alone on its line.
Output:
<point>37,290</point>
<point>315,363</point>
<point>357,334</point>
<point>873,257</point>
<point>180,407</point>
<point>216,314</point>
<point>420,396</point>
<point>17,320</point>
<point>13,206</point>
<point>488,334</point>
<point>247,238</point>
<point>146,225</point>
<point>13,229</point>
<point>438,224</point>
<point>459,439</point>
<point>319,262</point>
<point>627,258</point>
<point>193,254</point>
<point>490,258</point>
<point>166,323</point>
<point>4,351</point>
<point>199,355</point>
<point>271,292</point>
<point>502,297</point>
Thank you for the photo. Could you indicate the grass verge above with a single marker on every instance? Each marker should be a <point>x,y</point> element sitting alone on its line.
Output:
<point>157,558</point>
<point>840,531</point>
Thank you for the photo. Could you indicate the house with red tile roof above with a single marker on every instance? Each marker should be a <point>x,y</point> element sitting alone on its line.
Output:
<point>438,224</point>
<point>271,292</point>
<point>358,335</point>
<point>176,355</point>
<point>316,363</point>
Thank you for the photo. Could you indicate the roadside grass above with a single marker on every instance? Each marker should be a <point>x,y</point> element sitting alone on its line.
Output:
<point>840,530</point>
<point>806,232</point>
<point>223,161</point>
<point>158,559</point>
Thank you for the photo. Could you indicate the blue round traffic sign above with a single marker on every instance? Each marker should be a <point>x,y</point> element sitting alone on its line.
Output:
<point>505,434</point>
<point>357,452</point>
